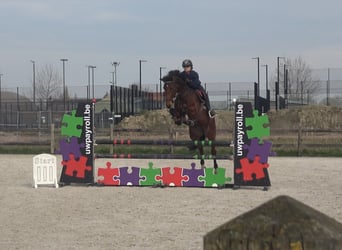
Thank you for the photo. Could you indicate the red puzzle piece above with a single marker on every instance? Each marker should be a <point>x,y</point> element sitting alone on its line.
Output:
<point>79,167</point>
<point>249,169</point>
<point>172,178</point>
<point>108,174</point>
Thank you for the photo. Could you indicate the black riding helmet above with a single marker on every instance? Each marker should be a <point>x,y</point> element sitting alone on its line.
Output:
<point>187,63</point>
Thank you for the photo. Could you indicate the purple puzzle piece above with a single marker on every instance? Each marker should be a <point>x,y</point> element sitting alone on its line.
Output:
<point>70,147</point>
<point>193,176</point>
<point>131,176</point>
<point>263,150</point>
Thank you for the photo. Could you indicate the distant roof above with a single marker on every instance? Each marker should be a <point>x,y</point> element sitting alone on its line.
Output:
<point>103,104</point>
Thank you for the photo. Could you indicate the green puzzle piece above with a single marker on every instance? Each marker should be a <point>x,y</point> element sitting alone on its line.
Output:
<point>150,174</point>
<point>211,179</point>
<point>72,125</point>
<point>257,126</point>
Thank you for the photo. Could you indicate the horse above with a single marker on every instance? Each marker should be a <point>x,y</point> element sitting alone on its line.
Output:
<point>187,102</point>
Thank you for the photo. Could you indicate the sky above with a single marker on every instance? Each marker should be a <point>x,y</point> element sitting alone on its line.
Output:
<point>220,36</point>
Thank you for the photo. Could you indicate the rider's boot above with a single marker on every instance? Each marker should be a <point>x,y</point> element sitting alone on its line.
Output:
<point>211,112</point>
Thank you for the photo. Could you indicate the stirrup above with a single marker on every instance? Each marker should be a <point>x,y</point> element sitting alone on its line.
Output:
<point>211,115</point>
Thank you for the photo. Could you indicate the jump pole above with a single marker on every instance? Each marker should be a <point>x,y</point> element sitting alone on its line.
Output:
<point>162,156</point>
<point>117,141</point>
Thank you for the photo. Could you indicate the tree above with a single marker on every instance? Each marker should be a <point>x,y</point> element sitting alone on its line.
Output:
<point>48,83</point>
<point>301,81</point>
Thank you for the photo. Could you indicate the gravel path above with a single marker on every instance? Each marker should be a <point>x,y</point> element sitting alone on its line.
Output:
<point>78,217</point>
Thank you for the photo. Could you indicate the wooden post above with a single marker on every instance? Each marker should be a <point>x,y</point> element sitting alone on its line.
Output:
<point>299,139</point>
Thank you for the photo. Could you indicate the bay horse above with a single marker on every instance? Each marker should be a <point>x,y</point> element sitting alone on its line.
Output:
<point>185,100</point>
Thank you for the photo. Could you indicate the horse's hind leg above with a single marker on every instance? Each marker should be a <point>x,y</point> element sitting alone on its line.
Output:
<point>213,154</point>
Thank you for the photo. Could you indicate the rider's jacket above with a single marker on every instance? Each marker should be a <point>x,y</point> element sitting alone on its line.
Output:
<point>192,79</point>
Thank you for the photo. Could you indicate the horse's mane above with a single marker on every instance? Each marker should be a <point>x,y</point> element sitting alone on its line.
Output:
<point>170,75</point>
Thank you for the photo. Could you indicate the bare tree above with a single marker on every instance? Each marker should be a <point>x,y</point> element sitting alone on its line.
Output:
<point>48,83</point>
<point>301,81</point>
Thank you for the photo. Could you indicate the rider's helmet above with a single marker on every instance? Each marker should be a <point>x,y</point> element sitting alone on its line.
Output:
<point>187,63</point>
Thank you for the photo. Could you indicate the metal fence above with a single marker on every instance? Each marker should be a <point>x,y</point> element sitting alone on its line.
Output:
<point>23,113</point>
<point>18,110</point>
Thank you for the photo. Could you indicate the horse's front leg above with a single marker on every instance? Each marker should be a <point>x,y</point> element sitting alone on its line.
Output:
<point>213,154</point>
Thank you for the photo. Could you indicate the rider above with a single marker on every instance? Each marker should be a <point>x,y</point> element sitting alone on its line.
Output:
<point>191,77</point>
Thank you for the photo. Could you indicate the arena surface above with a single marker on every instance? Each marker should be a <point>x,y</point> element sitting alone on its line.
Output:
<point>78,217</point>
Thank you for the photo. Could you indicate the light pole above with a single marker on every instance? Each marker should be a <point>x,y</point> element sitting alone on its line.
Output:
<point>258,60</point>
<point>266,79</point>
<point>268,93</point>
<point>34,80</point>
<point>278,76</point>
<point>140,61</point>
<point>160,86</point>
<point>278,79</point>
<point>64,97</point>
<point>328,88</point>
<point>112,82</point>
<point>93,80</point>
<point>88,87</point>
<point>115,64</point>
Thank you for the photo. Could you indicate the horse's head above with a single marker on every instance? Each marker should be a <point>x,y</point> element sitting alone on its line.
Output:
<point>172,86</point>
<point>171,91</point>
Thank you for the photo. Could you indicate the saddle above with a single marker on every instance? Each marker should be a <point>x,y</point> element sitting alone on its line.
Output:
<point>201,94</point>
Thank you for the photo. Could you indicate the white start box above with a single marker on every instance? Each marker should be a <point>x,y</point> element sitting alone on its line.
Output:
<point>44,170</point>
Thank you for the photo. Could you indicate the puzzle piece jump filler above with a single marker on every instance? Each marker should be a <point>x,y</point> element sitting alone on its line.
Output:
<point>251,150</point>
<point>251,153</point>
